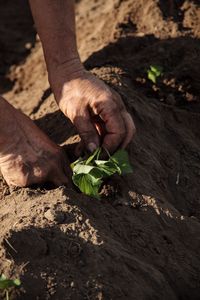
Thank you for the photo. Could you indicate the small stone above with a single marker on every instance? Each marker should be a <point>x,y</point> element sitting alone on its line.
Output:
<point>28,46</point>
<point>54,216</point>
<point>6,191</point>
<point>80,218</point>
<point>170,99</point>
<point>59,217</point>
<point>50,215</point>
<point>81,263</point>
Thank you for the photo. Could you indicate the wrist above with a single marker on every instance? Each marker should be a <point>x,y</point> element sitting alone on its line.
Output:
<point>65,67</point>
<point>64,72</point>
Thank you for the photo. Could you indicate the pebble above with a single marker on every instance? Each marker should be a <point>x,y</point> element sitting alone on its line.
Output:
<point>54,216</point>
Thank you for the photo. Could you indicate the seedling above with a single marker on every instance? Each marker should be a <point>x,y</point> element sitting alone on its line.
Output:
<point>154,72</point>
<point>88,174</point>
<point>6,283</point>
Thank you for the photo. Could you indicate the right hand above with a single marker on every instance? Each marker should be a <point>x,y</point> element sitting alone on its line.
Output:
<point>86,99</point>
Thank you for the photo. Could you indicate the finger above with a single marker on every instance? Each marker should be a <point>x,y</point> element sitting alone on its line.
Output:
<point>79,149</point>
<point>115,134</point>
<point>60,179</point>
<point>61,170</point>
<point>87,131</point>
<point>128,121</point>
<point>100,127</point>
<point>130,128</point>
<point>115,127</point>
<point>61,175</point>
<point>67,171</point>
<point>64,165</point>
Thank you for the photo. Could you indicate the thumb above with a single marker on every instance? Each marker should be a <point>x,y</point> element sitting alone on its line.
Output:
<point>87,131</point>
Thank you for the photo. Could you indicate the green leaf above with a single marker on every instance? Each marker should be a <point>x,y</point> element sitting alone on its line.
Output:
<point>151,76</point>
<point>100,162</point>
<point>108,167</point>
<point>85,169</point>
<point>157,70</point>
<point>7,283</point>
<point>3,277</point>
<point>87,184</point>
<point>154,72</point>
<point>87,161</point>
<point>72,165</point>
<point>93,156</point>
<point>17,282</point>
<point>121,159</point>
<point>97,173</point>
<point>80,168</point>
<point>88,174</point>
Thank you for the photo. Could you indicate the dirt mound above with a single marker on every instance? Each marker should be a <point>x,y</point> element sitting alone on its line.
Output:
<point>143,242</point>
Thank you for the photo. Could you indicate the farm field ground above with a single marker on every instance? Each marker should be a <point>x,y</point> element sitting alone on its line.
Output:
<point>142,240</point>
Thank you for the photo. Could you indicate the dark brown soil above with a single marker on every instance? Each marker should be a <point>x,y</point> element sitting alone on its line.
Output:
<point>143,241</point>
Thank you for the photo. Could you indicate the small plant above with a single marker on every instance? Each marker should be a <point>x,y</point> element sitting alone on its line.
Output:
<point>6,283</point>
<point>154,72</point>
<point>88,174</point>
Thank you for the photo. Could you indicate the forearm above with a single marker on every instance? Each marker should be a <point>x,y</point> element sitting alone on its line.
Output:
<point>55,22</point>
<point>79,94</point>
<point>7,123</point>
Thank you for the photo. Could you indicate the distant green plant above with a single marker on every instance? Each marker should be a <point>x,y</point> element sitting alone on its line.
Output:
<point>154,72</point>
<point>6,283</point>
<point>88,174</point>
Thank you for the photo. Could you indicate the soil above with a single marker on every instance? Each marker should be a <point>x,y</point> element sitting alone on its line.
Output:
<point>142,240</point>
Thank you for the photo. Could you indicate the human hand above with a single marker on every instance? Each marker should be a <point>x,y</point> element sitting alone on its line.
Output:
<point>97,112</point>
<point>28,156</point>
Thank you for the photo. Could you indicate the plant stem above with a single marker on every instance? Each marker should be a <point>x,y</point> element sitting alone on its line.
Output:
<point>7,295</point>
<point>107,152</point>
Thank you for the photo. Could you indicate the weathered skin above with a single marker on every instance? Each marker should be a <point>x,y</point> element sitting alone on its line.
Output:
<point>27,155</point>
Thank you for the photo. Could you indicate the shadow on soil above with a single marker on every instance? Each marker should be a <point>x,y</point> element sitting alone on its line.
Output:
<point>171,9</point>
<point>166,114</point>
<point>131,248</point>
<point>146,246</point>
<point>17,37</point>
<point>179,87</point>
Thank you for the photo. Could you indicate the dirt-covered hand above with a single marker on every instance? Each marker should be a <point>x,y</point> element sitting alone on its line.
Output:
<point>97,112</point>
<point>28,156</point>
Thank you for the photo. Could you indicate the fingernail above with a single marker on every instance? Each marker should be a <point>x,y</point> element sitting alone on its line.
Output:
<point>92,147</point>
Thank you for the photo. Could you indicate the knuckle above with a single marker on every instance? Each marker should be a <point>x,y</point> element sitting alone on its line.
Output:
<point>98,106</point>
<point>132,126</point>
<point>122,134</point>
<point>22,181</point>
<point>39,174</point>
<point>106,102</point>
<point>134,129</point>
<point>85,135</point>
<point>55,158</point>
<point>114,107</point>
